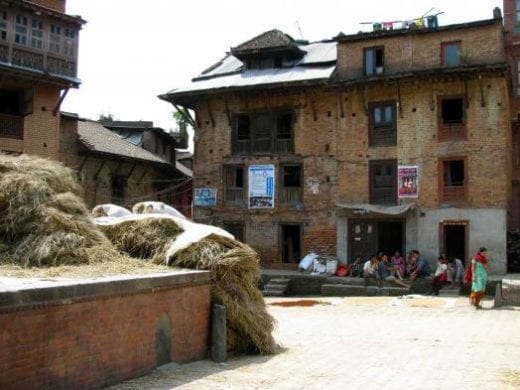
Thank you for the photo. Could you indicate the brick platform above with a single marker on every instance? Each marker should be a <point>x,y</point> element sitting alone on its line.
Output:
<point>92,333</point>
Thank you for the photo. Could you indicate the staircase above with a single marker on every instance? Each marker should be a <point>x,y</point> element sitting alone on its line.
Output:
<point>276,287</point>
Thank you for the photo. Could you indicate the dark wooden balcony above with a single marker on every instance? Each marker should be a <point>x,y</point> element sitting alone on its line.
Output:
<point>291,195</point>
<point>39,60</point>
<point>11,126</point>
<point>234,196</point>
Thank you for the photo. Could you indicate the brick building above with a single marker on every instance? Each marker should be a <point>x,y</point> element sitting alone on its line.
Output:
<point>38,65</point>
<point>512,48</point>
<point>390,140</point>
<point>125,162</point>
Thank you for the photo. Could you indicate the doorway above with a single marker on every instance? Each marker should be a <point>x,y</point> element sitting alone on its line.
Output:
<point>390,237</point>
<point>454,239</point>
<point>291,243</point>
<point>369,236</point>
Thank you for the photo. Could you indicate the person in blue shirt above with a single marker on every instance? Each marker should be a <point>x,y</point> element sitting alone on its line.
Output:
<point>421,266</point>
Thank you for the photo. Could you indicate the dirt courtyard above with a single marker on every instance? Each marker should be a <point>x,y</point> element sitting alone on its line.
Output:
<point>369,343</point>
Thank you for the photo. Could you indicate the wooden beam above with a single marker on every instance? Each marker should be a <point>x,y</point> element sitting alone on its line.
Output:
<point>482,98</point>
<point>99,170</point>
<point>83,162</point>
<point>131,171</point>
<point>142,175</point>
<point>399,103</point>
<point>365,100</point>
<point>186,114</point>
<point>466,97</point>
<point>340,103</point>
<point>210,113</point>
<point>228,113</point>
<point>60,100</point>
<point>312,99</point>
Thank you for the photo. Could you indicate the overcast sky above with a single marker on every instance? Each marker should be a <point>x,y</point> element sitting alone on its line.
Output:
<point>131,51</point>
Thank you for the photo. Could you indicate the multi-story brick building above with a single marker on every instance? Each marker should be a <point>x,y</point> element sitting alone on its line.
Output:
<point>390,140</point>
<point>512,48</point>
<point>38,65</point>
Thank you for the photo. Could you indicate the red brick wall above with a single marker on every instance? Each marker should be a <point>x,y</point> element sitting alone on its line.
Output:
<point>89,344</point>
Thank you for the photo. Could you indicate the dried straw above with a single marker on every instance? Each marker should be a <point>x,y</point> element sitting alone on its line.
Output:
<point>43,221</point>
<point>236,272</point>
<point>144,238</point>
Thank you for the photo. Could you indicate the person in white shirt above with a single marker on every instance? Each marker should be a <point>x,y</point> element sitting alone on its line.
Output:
<point>440,275</point>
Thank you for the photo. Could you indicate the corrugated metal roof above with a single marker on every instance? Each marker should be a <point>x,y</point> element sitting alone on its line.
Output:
<point>97,138</point>
<point>259,77</point>
<point>316,53</point>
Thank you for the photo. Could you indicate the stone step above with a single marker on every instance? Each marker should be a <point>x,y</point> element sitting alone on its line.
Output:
<point>273,293</point>
<point>444,292</point>
<point>345,290</point>
<point>278,282</point>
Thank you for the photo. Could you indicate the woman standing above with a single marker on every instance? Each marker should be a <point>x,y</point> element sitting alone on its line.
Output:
<point>479,264</point>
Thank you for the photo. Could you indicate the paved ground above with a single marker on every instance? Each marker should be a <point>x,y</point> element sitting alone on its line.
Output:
<point>370,343</point>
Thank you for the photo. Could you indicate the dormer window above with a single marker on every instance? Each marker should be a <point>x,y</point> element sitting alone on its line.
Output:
<point>373,59</point>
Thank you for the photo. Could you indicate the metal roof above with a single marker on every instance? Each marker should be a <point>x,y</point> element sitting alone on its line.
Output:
<point>259,77</point>
<point>317,63</point>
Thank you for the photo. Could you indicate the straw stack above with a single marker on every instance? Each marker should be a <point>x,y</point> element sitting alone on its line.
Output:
<point>43,221</point>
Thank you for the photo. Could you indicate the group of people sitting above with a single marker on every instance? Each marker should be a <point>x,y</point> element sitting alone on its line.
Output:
<point>398,270</point>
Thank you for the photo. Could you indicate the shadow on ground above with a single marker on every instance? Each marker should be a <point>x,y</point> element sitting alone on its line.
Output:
<point>172,375</point>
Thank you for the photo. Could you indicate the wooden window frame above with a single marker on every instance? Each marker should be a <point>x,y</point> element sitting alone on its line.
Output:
<point>443,54</point>
<point>256,145</point>
<point>453,132</point>
<point>371,186</point>
<point>442,187</point>
<point>230,197</point>
<point>26,26</point>
<point>372,128</point>
<point>374,68</point>
<point>290,195</point>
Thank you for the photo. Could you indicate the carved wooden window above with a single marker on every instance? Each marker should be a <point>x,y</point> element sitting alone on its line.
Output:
<point>3,25</point>
<point>382,124</point>
<point>291,184</point>
<point>451,118</point>
<point>517,12</point>
<point>69,42</point>
<point>383,182</point>
<point>55,39</point>
<point>453,179</point>
<point>234,185</point>
<point>373,60</point>
<point>20,37</point>
<point>36,34</point>
<point>263,132</point>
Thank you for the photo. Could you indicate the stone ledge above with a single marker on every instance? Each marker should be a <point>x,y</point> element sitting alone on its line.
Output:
<point>24,293</point>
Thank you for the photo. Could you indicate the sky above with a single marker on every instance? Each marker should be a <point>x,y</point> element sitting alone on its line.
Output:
<point>131,51</point>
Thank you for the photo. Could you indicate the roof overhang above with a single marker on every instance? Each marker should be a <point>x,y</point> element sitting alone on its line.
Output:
<point>45,10</point>
<point>39,75</point>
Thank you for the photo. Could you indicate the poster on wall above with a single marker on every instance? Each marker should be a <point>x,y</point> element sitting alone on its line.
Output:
<point>261,186</point>
<point>408,181</point>
<point>205,197</point>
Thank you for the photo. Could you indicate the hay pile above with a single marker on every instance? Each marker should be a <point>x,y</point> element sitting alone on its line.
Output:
<point>176,242</point>
<point>43,221</point>
<point>236,273</point>
<point>146,238</point>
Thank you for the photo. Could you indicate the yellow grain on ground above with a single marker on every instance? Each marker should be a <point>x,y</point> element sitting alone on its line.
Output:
<point>424,302</point>
<point>510,378</point>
